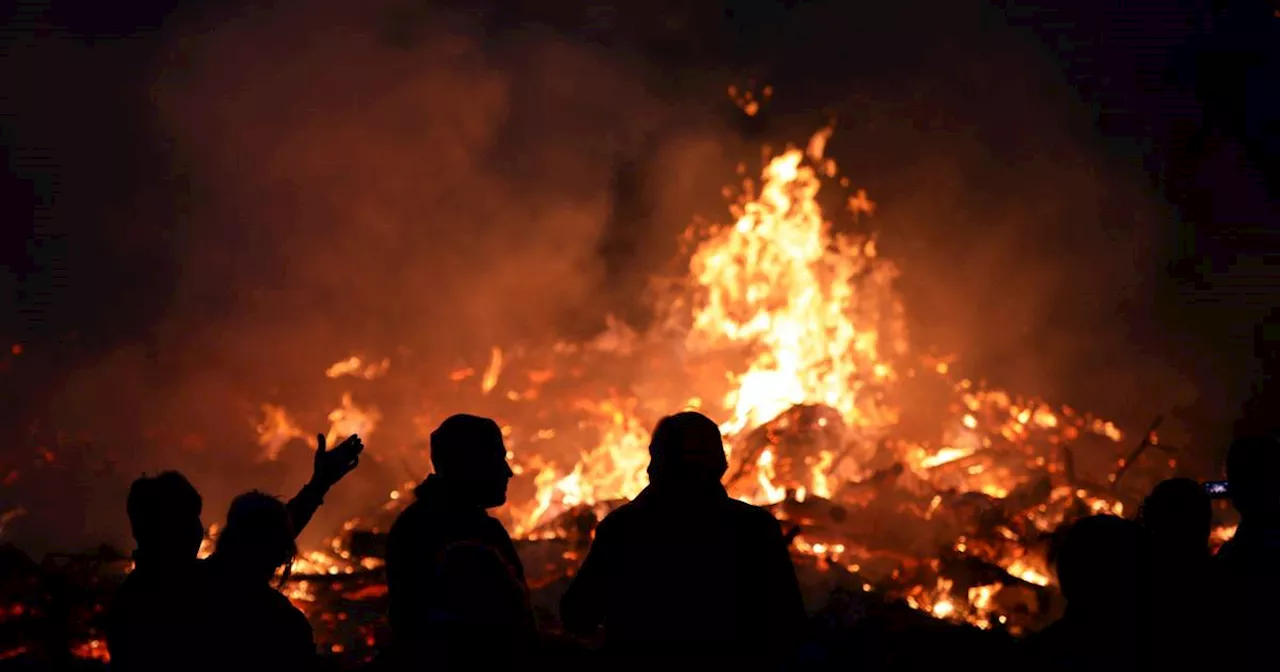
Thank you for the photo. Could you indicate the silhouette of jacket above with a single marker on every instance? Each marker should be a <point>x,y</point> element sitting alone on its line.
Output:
<point>160,618</point>
<point>1177,517</point>
<point>1247,587</point>
<point>687,573</point>
<point>1101,564</point>
<point>1073,644</point>
<point>457,590</point>
<point>252,626</point>
<point>1183,609</point>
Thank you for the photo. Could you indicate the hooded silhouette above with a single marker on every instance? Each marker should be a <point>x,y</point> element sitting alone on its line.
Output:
<point>685,573</point>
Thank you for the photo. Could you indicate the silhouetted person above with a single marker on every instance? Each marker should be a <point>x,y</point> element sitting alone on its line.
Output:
<point>156,616</point>
<point>254,627</point>
<point>1178,517</point>
<point>1099,562</point>
<point>1246,566</point>
<point>685,573</point>
<point>159,618</point>
<point>457,588</point>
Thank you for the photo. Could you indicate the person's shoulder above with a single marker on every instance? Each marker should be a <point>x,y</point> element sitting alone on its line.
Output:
<point>490,530</point>
<point>750,514</point>
<point>283,608</point>
<point>289,619</point>
<point>621,517</point>
<point>126,598</point>
<point>408,522</point>
<point>408,515</point>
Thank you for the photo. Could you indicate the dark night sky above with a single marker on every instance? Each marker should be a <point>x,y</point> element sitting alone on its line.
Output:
<point>97,203</point>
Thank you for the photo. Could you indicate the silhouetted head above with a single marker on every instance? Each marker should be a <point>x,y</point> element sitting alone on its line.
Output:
<point>259,537</point>
<point>1253,472</point>
<point>164,513</point>
<point>686,448</point>
<point>1099,561</point>
<point>1179,515</point>
<point>469,453</point>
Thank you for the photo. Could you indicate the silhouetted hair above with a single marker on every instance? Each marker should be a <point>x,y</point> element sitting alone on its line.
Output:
<point>1178,504</point>
<point>454,442</point>
<point>1096,555</point>
<point>1253,468</point>
<point>158,505</point>
<point>259,534</point>
<point>687,445</point>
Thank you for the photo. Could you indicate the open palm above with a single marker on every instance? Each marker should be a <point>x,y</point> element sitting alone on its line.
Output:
<point>332,465</point>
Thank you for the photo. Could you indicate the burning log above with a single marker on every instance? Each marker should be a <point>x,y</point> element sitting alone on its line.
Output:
<point>1028,495</point>
<point>865,491</point>
<point>883,536</point>
<point>970,572</point>
<point>1149,440</point>
<point>804,437</point>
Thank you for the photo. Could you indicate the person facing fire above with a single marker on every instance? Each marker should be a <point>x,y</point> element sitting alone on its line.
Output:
<point>684,572</point>
<point>159,606</point>
<point>458,597</point>
<point>160,616</point>
<point>1244,568</point>
<point>1100,562</point>
<point>1178,517</point>
<point>255,627</point>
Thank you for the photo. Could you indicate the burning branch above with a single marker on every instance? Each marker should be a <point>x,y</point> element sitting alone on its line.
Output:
<point>1149,440</point>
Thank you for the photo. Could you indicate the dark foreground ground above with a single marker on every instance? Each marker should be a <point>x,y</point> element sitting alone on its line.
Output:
<point>51,618</point>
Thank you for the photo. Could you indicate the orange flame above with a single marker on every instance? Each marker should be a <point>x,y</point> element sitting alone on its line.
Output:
<point>358,368</point>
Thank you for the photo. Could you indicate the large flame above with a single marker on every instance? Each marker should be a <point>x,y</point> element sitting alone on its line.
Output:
<point>809,306</point>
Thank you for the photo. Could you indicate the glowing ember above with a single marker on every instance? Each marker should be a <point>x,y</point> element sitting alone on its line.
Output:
<point>357,367</point>
<point>94,649</point>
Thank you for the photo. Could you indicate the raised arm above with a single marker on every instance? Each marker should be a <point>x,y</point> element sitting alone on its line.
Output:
<point>330,467</point>
<point>304,505</point>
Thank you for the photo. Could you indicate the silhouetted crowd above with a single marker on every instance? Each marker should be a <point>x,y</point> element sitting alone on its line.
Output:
<point>683,574</point>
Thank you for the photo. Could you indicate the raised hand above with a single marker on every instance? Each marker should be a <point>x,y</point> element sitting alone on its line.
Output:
<point>332,465</point>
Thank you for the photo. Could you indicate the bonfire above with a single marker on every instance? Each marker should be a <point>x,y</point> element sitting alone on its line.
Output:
<point>892,475</point>
<point>895,479</point>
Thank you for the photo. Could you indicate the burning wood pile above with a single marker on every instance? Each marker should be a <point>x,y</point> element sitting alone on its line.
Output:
<point>897,481</point>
